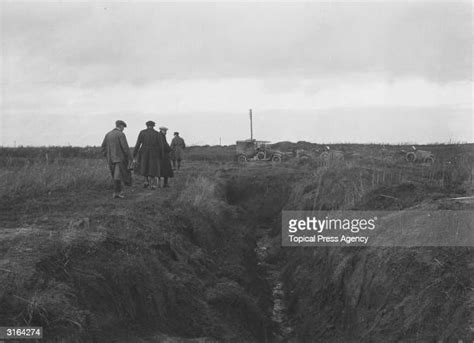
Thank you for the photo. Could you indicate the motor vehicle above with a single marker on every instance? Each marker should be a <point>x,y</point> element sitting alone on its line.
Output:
<point>253,150</point>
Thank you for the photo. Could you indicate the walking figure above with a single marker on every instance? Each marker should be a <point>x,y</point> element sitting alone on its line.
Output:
<point>166,171</point>
<point>149,150</point>
<point>115,148</point>
<point>177,147</point>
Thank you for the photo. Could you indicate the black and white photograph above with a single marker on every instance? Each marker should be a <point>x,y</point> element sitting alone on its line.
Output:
<point>236,171</point>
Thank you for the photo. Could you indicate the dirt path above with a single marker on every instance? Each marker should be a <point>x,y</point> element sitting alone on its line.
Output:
<point>86,245</point>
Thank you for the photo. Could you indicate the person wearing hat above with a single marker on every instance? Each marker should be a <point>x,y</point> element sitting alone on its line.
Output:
<point>149,149</point>
<point>166,170</point>
<point>177,147</point>
<point>115,148</point>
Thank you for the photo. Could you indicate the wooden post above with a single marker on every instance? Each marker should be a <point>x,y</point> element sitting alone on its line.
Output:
<point>251,125</point>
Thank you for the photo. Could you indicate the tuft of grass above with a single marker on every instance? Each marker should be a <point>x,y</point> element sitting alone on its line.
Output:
<point>56,305</point>
<point>202,194</point>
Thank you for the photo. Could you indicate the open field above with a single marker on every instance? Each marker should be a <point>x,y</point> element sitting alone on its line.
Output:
<point>203,259</point>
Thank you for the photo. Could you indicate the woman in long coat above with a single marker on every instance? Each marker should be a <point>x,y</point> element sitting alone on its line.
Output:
<point>149,149</point>
<point>166,171</point>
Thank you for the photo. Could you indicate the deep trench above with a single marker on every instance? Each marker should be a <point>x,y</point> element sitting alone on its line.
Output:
<point>355,293</point>
<point>262,200</point>
<point>282,295</point>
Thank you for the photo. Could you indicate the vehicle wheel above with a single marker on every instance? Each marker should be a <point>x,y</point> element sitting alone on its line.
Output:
<point>410,157</point>
<point>324,155</point>
<point>242,159</point>
<point>261,155</point>
<point>276,158</point>
<point>429,160</point>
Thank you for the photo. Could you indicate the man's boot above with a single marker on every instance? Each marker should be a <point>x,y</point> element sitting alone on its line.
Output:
<point>146,182</point>
<point>165,183</point>
<point>118,189</point>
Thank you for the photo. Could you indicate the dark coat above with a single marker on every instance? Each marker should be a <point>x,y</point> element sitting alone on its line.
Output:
<point>149,149</point>
<point>177,147</point>
<point>115,148</point>
<point>165,165</point>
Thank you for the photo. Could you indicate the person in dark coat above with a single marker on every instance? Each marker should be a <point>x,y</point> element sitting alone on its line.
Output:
<point>115,148</point>
<point>177,147</point>
<point>149,149</point>
<point>166,170</point>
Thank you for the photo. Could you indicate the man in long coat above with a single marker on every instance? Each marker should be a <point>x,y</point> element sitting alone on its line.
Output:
<point>149,149</point>
<point>115,148</point>
<point>166,170</point>
<point>177,147</point>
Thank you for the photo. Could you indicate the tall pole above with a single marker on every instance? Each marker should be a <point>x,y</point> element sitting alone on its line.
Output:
<point>251,127</point>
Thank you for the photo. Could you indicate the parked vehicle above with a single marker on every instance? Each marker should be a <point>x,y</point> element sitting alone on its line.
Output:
<point>419,156</point>
<point>253,150</point>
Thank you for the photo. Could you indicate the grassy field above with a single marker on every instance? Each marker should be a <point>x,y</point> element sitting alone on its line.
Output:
<point>35,171</point>
<point>184,262</point>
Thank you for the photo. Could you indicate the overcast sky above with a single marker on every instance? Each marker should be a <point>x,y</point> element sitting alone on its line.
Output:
<point>323,72</point>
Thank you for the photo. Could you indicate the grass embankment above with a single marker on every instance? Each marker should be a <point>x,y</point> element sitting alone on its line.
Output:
<point>379,294</point>
<point>176,262</point>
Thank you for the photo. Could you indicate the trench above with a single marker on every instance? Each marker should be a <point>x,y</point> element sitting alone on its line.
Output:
<point>283,331</point>
<point>262,199</point>
<point>356,293</point>
<point>218,272</point>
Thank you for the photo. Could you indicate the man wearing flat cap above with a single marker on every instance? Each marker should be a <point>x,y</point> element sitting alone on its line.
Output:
<point>177,147</point>
<point>115,148</point>
<point>166,170</point>
<point>149,149</point>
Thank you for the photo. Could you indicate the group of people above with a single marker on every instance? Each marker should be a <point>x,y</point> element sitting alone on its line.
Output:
<point>152,157</point>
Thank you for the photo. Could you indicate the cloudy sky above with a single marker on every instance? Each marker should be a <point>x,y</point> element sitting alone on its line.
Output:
<point>317,71</point>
